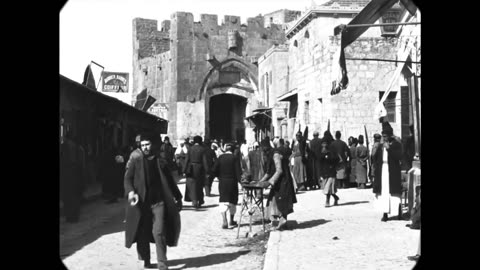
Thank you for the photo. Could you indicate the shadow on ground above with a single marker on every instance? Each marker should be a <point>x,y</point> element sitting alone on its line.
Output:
<point>113,225</point>
<point>204,261</point>
<point>294,225</point>
<point>190,207</point>
<point>352,203</point>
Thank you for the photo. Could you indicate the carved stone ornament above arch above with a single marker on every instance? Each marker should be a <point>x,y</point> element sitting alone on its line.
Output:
<point>236,62</point>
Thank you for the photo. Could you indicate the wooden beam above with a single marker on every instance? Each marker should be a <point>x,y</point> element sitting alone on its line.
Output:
<point>381,60</point>
<point>379,24</point>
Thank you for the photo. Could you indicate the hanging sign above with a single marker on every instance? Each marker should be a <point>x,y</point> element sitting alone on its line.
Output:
<point>116,82</point>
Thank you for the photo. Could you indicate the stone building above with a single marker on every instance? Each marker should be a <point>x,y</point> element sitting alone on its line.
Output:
<point>204,76</point>
<point>306,83</point>
<point>271,76</point>
<point>282,17</point>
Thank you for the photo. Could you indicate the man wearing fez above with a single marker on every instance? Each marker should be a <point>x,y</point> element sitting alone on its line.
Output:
<point>154,202</point>
<point>227,169</point>
<point>387,184</point>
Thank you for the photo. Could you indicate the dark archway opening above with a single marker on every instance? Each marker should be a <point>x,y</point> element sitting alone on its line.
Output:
<point>227,113</point>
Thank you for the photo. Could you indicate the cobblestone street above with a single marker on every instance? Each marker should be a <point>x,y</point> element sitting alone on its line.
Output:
<point>308,243</point>
<point>364,242</point>
<point>98,242</point>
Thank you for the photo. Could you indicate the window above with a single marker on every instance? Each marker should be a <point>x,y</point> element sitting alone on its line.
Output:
<point>306,114</point>
<point>295,43</point>
<point>267,92</point>
<point>307,35</point>
<point>390,105</point>
<point>263,82</point>
<point>292,112</point>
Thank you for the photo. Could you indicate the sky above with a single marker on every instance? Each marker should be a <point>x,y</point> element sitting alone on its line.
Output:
<point>101,30</point>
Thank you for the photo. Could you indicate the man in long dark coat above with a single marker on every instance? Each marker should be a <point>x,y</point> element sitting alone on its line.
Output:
<point>168,153</point>
<point>387,183</point>
<point>227,169</point>
<point>282,193</point>
<point>211,158</point>
<point>196,167</point>
<point>315,150</point>
<point>154,202</point>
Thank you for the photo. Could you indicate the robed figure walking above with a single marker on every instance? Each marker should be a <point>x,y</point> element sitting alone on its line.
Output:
<point>196,167</point>
<point>282,196</point>
<point>227,169</point>
<point>154,202</point>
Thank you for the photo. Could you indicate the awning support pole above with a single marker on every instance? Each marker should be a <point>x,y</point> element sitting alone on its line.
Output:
<point>381,60</point>
<point>380,24</point>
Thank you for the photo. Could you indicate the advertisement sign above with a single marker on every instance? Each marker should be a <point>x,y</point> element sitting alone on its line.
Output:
<point>116,82</point>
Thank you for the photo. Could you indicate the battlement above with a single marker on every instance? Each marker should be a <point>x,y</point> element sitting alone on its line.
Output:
<point>165,26</point>
<point>281,17</point>
<point>148,40</point>
<point>209,25</point>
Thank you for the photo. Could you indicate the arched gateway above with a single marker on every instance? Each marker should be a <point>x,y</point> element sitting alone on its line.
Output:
<point>228,89</point>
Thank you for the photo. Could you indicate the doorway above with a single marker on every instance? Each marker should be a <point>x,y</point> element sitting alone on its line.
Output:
<point>227,113</point>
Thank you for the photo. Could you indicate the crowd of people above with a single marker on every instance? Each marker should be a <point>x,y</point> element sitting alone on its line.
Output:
<point>148,173</point>
<point>325,163</point>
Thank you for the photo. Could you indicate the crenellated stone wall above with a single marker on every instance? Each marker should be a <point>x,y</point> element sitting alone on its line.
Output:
<point>177,72</point>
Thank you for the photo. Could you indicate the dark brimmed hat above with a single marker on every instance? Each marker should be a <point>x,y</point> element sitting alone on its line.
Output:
<point>197,139</point>
<point>147,136</point>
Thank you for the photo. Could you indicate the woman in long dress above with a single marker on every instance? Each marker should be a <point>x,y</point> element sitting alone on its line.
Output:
<point>387,182</point>
<point>362,155</point>
<point>299,159</point>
